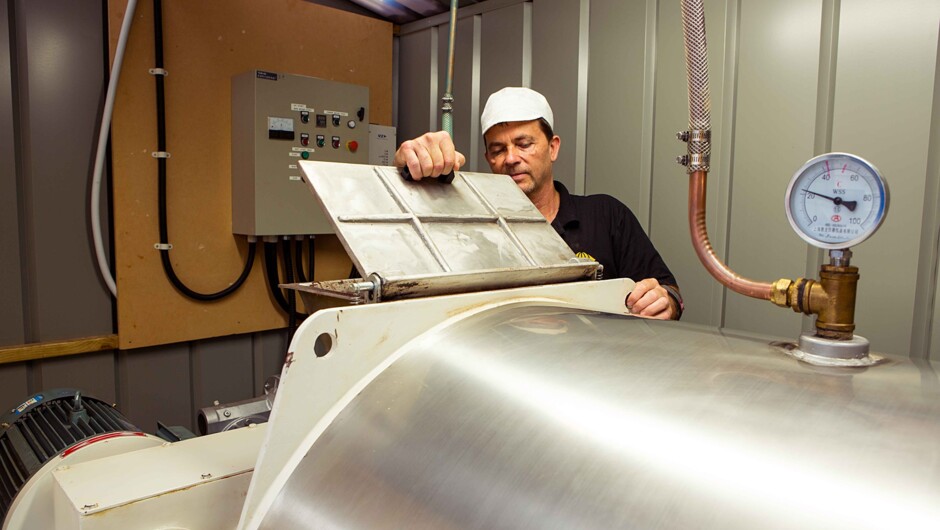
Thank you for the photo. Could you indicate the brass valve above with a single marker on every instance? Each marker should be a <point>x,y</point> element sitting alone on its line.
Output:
<point>831,299</point>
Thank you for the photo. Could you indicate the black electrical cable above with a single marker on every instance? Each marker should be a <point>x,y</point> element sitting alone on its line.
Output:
<point>311,251</point>
<point>272,274</point>
<point>299,259</point>
<point>291,298</point>
<point>161,180</point>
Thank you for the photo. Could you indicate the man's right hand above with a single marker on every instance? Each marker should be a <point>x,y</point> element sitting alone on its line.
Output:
<point>431,155</point>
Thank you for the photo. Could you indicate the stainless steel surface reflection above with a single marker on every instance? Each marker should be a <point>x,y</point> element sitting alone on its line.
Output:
<point>532,417</point>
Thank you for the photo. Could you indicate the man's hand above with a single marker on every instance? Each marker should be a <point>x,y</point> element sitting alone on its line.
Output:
<point>430,155</point>
<point>649,299</point>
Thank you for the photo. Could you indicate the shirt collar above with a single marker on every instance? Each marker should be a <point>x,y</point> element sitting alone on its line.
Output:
<point>567,215</point>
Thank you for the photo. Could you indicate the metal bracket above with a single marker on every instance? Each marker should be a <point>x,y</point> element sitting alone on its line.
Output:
<point>158,71</point>
<point>163,246</point>
<point>160,154</point>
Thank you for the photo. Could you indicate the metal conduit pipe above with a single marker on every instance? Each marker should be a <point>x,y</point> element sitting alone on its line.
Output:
<point>447,120</point>
<point>699,139</point>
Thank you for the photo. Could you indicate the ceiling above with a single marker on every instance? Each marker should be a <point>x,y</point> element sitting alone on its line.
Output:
<point>402,11</point>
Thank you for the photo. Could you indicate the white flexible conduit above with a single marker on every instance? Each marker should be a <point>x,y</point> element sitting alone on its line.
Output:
<point>103,266</point>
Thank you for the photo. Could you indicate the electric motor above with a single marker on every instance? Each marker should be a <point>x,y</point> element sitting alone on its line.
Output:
<point>45,425</point>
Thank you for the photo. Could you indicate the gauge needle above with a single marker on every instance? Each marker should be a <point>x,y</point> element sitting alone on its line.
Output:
<point>836,200</point>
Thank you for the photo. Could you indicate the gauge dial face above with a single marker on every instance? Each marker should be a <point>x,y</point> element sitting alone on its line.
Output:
<point>836,200</point>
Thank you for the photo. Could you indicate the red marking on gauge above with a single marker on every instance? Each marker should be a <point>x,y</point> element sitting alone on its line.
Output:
<point>843,168</point>
<point>836,218</point>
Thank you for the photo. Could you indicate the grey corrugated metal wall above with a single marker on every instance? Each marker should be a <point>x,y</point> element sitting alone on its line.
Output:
<point>52,79</point>
<point>790,79</point>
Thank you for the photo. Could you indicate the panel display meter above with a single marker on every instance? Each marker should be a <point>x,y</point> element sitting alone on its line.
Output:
<point>836,200</point>
<point>278,120</point>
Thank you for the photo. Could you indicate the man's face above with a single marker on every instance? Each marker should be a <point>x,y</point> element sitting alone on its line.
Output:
<point>521,150</point>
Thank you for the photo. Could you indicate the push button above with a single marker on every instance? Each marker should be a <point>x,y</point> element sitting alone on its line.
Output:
<point>336,142</point>
<point>336,120</point>
<point>305,155</point>
<point>305,116</point>
<point>352,145</point>
<point>321,140</point>
<point>304,139</point>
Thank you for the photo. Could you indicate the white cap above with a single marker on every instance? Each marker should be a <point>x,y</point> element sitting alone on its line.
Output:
<point>515,104</point>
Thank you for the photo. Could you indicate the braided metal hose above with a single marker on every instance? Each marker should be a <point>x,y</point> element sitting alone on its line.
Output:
<point>696,59</point>
<point>699,139</point>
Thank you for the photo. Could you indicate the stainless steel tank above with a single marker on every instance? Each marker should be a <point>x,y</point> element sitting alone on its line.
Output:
<point>540,417</point>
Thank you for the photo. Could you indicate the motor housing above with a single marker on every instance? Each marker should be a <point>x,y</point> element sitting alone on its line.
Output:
<point>48,424</point>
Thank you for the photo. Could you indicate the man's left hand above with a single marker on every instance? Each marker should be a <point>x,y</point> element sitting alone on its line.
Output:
<point>649,299</point>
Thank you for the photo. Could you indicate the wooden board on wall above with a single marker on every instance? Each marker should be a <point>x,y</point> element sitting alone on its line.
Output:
<point>205,44</point>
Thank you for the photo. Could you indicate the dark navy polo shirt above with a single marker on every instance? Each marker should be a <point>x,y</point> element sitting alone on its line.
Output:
<point>605,229</point>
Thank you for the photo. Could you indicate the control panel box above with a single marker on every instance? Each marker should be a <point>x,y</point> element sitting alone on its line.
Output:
<point>277,121</point>
<point>382,145</point>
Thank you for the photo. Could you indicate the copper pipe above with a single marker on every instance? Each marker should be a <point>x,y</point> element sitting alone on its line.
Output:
<point>703,247</point>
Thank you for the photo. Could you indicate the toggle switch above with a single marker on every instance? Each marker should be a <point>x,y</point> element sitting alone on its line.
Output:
<point>361,113</point>
<point>321,140</point>
<point>336,142</point>
<point>304,139</point>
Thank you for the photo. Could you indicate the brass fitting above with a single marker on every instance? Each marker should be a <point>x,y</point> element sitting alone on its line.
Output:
<point>836,302</point>
<point>831,299</point>
<point>778,293</point>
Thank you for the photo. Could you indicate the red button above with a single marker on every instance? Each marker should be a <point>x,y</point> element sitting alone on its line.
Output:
<point>352,145</point>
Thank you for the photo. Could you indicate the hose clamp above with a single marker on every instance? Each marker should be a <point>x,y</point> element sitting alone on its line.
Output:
<point>694,135</point>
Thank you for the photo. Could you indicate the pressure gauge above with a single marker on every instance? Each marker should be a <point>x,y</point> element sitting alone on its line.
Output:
<point>836,200</point>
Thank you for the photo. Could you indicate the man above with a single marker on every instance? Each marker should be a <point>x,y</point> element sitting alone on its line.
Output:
<point>517,132</point>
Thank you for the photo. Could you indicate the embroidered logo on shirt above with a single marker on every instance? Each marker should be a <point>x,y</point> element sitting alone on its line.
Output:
<point>585,255</point>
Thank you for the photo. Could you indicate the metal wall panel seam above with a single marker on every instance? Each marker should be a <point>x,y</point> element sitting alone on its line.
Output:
<point>648,125</point>
<point>825,102</point>
<point>12,324</point>
<point>580,158</point>
<point>20,99</point>
<point>257,377</point>
<point>195,377</point>
<point>475,74</point>
<point>924,339</point>
<point>721,216</point>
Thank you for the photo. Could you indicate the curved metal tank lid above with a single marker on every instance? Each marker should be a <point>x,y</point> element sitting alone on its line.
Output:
<point>535,417</point>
